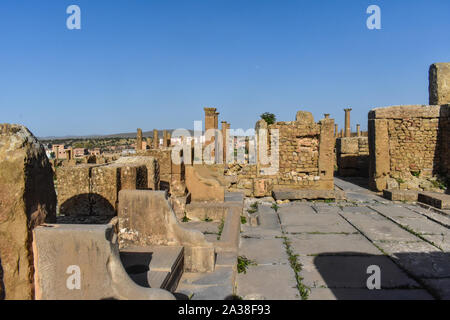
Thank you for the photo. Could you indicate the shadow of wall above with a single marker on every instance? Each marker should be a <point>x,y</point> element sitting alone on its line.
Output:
<point>346,275</point>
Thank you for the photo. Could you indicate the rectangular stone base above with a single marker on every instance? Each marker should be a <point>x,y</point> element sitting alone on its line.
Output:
<point>437,200</point>
<point>401,195</point>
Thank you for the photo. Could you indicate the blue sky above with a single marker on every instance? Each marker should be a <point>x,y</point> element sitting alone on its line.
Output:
<point>156,64</point>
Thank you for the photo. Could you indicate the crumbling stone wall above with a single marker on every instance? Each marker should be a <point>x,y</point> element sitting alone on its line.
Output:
<point>306,159</point>
<point>171,175</point>
<point>409,147</point>
<point>27,199</point>
<point>352,156</point>
<point>92,190</point>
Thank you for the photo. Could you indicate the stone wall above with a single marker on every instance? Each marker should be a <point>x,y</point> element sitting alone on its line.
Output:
<point>172,176</point>
<point>306,159</point>
<point>352,156</point>
<point>27,199</point>
<point>409,147</point>
<point>92,190</point>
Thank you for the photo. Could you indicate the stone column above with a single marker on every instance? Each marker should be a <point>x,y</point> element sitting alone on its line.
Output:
<point>149,142</point>
<point>169,139</point>
<point>358,130</point>
<point>341,133</point>
<point>348,130</point>
<point>211,118</point>
<point>165,139</point>
<point>336,130</point>
<point>139,140</point>
<point>155,139</point>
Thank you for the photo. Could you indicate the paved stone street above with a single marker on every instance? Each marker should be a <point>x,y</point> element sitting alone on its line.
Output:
<point>320,250</point>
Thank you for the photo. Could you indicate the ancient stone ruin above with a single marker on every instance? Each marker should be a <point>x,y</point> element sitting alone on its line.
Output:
<point>286,213</point>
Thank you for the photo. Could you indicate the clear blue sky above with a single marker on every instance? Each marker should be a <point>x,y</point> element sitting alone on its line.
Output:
<point>156,64</point>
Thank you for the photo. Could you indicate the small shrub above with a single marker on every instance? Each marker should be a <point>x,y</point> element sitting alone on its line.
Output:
<point>243,220</point>
<point>275,207</point>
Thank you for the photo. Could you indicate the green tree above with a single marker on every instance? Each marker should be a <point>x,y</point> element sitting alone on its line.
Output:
<point>269,117</point>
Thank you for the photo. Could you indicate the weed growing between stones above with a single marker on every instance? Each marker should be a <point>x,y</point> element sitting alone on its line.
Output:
<point>243,263</point>
<point>185,218</point>
<point>297,267</point>
<point>243,220</point>
<point>222,223</point>
<point>275,207</point>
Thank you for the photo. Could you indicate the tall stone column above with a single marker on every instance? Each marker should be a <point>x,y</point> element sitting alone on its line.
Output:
<point>165,139</point>
<point>139,140</point>
<point>348,130</point>
<point>225,135</point>
<point>358,130</point>
<point>155,139</point>
<point>336,130</point>
<point>211,121</point>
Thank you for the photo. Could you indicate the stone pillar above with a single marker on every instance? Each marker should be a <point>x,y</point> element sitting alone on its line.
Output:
<point>439,84</point>
<point>341,133</point>
<point>149,142</point>
<point>165,139</point>
<point>211,121</point>
<point>348,130</point>
<point>358,130</point>
<point>379,159</point>
<point>326,154</point>
<point>139,140</point>
<point>169,139</point>
<point>225,128</point>
<point>336,130</point>
<point>155,139</point>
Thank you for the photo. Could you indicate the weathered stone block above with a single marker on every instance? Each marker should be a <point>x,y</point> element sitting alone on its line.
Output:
<point>401,195</point>
<point>27,199</point>
<point>439,83</point>
<point>262,187</point>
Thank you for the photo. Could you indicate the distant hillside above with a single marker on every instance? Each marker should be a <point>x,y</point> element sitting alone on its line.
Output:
<point>129,135</point>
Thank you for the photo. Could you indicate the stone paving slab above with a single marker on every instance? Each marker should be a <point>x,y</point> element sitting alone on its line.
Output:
<point>326,209</point>
<point>272,282</point>
<point>320,223</point>
<point>351,272</point>
<point>332,244</point>
<point>378,228</point>
<point>358,209</point>
<point>366,294</point>
<point>395,211</point>
<point>364,197</point>
<point>264,251</point>
<point>260,233</point>
<point>292,215</point>
<point>419,258</point>
<point>431,214</point>
<point>440,286</point>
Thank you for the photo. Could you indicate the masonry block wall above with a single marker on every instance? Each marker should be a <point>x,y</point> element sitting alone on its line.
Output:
<point>409,145</point>
<point>306,159</point>
<point>92,190</point>
<point>352,156</point>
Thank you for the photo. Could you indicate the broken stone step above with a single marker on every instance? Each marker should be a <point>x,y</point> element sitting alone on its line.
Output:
<point>401,195</point>
<point>154,266</point>
<point>437,200</point>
